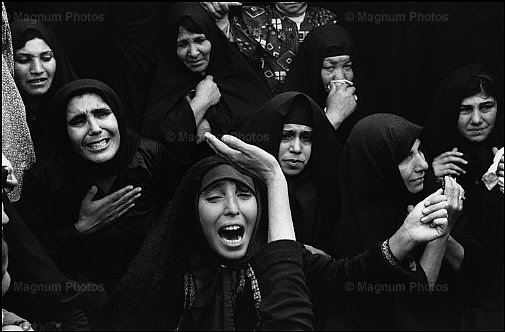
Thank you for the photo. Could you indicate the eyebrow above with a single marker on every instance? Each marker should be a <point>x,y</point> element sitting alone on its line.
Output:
<point>30,54</point>
<point>82,114</point>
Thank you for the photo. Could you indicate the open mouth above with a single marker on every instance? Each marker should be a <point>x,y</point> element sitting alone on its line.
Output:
<point>37,81</point>
<point>98,145</point>
<point>231,234</point>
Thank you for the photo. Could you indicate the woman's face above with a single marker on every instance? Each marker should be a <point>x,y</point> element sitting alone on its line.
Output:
<point>34,67</point>
<point>228,211</point>
<point>295,148</point>
<point>477,116</point>
<point>193,49</point>
<point>337,67</point>
<point>413,168</point>
<point>92,128</point>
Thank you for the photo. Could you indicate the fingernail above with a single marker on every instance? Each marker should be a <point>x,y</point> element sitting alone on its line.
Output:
<point>425,211</point>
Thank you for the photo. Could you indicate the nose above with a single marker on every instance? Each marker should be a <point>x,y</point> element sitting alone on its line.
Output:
<point>338,74</point>
<point>295,146</point>
<point>476,117</point>
<point>193,50</point>
<point>231,208</point>
<point>94,127</point>
<point>36,67</point>
<point>421,164</point>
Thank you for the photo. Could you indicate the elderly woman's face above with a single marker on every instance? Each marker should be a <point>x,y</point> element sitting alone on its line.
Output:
<point>295,148</point>
<point>193,49</point>
<point>337,67</point>
<point>413,168</point>
<point>477,116</point>
<point>228,211</point>
<point>92,128</point>
<point>34,67</point>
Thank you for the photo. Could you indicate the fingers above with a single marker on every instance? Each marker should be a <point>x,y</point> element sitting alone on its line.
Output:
<point>439,222</point>
<point>219,147</point>
<point>440,213</point>
<point>128,198</point>
<point>117,195</point>
<point>434,198</point>
<point>123,210</point>
<point>90,194</point>
<point>432,210</point>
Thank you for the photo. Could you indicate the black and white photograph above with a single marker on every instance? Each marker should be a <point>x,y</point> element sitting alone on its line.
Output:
<point>333,166</point>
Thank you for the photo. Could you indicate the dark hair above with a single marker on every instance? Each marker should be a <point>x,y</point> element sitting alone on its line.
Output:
<point>480,84</point>
<point>187,23</point>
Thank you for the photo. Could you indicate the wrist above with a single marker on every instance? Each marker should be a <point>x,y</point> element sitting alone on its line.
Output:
<point>401,243</point>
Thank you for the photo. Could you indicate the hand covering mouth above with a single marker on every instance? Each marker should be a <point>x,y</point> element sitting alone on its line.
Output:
<point>231,232</point>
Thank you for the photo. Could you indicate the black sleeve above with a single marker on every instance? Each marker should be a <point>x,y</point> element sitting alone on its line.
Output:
<point>175,128</point>
<point>44,219</point>
<point>328,277</point>
<point>285,303</point>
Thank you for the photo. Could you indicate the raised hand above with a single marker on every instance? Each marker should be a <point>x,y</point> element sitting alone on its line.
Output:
<point>499,171</point>
<point>95,215</point>
<point>218,10</point>
<point>455,197</point>
<point>446,163</point>
<point>428,220</point>
<point>340,103</point>
<point>250,158</point>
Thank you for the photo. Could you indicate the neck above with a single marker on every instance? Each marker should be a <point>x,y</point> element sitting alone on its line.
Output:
<point>297,14</point>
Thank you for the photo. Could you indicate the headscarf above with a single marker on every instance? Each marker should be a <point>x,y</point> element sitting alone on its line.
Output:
<point>305,72</point>
<point>243,91</point>
<point>314,193</point>
<point>66,157</point>
<point>17,143</point>
<point>483,214</point>
<point>374,196</point>
<point>440,133</point>
<point>23,31</point>
<point>176,276</point>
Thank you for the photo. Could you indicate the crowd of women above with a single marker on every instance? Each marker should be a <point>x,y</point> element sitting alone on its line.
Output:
<point>260,188</point>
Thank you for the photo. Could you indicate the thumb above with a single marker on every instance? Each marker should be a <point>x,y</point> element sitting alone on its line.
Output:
<point>410,208</point>
<point>455,149</point>
<point>90,194</point>
<point>209,78</point>
<point>495,149</point>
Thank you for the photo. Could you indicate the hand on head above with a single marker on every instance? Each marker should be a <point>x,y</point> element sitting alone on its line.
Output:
<point>247,157</point>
